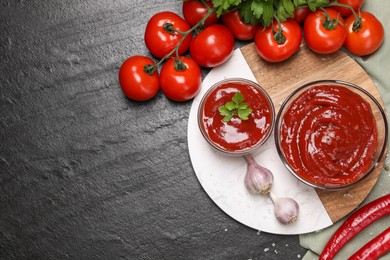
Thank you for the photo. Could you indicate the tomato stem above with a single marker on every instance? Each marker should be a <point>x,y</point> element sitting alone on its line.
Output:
<point>179,65</point>
<point>170,29</point>
<point>329,23</point>
<point>357,24</point>
<point>312,4</point>
<point>358,19</point>
<point>278,35</point>
<point>150,69</point>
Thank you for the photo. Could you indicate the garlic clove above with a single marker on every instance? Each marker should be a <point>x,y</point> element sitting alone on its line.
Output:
<point>286,210</point>
<point>258,180</point>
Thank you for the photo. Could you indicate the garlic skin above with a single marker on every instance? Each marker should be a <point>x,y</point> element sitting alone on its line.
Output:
<point>258,180</point>
<point>286,209</point>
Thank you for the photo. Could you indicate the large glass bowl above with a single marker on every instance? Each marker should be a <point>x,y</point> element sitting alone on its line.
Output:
<point>325,140</point>
<point>258,127</point>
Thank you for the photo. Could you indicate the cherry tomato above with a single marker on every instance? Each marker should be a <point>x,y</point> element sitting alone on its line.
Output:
<point>345,11</point>
<point>324,32</point>
<point>301,13</point>
<point>180,80</point>
<point>276,47</point>
<point>135,82</point>
<point>212,46</point>
<point>240,29</point>
<point>368,38</point>
<point>195,10</point>
<point>159,40</point>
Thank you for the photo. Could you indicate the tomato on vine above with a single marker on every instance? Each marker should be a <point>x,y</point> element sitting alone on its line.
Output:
<point>345,10</point>
<point>164,32</point>
<point>324,31</point>
<point>195,10</point>
<point>279,41</point>
<point>180,78</point>
<point>138,78</point>
<point>300,14</point>
<point>212,46</point>
<point>240,30</point>
<point>365,34</point>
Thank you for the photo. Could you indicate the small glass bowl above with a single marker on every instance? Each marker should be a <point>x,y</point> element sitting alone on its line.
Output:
<point>382,136</point>
<point>226,87</point>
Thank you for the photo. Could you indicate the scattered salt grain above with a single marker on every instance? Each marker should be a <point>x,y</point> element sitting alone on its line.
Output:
<point>299,256</point>
<point>286,245</point>
<point>258,232</point>
<point>226,229</point>
<point>276,251</point>
<point>266,249</point>
<point>347,194</point>
<point>273,244</point>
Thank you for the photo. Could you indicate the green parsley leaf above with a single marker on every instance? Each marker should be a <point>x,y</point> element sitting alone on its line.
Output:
<point>246,13</point>
<point>264,11</point>
<point>223,6</point>
<point>236,107</point>
<point>226,113</point>
<point>230,106</point>
<point>244,113</point>
<point>238,98</point>
<point>257,8</point>
<point>289,6</point>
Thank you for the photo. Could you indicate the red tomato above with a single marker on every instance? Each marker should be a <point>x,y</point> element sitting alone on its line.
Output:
<point>345,11</point>
<point>180,83</point>
<point>368,38</point>
<point>301,13</point>
<point>273,51</point>
<point>212,46</point>
<point>324,35</point>
<point>195,10</point>
<point>135,82</point>
<point>159,41</point>
<point>240,29</point>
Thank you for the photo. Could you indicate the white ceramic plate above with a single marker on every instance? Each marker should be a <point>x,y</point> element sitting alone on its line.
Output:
<point>222,176</point>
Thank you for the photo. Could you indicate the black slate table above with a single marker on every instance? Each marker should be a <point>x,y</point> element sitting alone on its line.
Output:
<point>87,173</point>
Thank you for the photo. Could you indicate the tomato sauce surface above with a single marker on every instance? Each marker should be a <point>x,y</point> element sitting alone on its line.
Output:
<point>237,134</point>
<point>329,135</point>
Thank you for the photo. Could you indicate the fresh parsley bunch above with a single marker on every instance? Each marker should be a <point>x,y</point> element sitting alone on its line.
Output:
<point>264,11</point>
<point>236,107</point>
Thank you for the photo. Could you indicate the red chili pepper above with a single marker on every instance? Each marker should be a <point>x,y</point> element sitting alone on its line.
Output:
<point>374,249</point>
<point>355,223</point>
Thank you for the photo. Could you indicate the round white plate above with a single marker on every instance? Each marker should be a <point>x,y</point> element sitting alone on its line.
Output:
<point>222,176</point>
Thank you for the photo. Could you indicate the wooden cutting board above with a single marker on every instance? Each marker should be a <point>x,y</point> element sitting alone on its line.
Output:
<point>280,79</point>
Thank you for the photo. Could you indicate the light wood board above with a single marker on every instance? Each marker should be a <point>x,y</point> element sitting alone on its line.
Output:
<point>280,79</point>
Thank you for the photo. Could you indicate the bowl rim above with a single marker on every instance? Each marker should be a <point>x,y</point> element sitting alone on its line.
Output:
<point>343,84</point>
<point>253,84</point>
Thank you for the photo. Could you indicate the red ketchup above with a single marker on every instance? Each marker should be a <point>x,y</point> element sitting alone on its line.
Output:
<point>329,136</point>
<point>237,135</point>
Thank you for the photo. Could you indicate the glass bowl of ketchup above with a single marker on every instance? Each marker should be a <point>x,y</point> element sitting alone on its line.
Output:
<point>331,134</point>
<point>237,136</point>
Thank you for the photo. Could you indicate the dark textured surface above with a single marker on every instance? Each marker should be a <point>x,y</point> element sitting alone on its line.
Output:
<point>87,173</point>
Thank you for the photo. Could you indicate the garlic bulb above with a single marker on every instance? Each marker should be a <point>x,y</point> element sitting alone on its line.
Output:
<point>258,180</point>
<point>286,209</point>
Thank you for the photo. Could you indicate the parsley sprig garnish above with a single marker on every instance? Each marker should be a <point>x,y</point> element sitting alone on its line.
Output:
<point>236,107</point>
